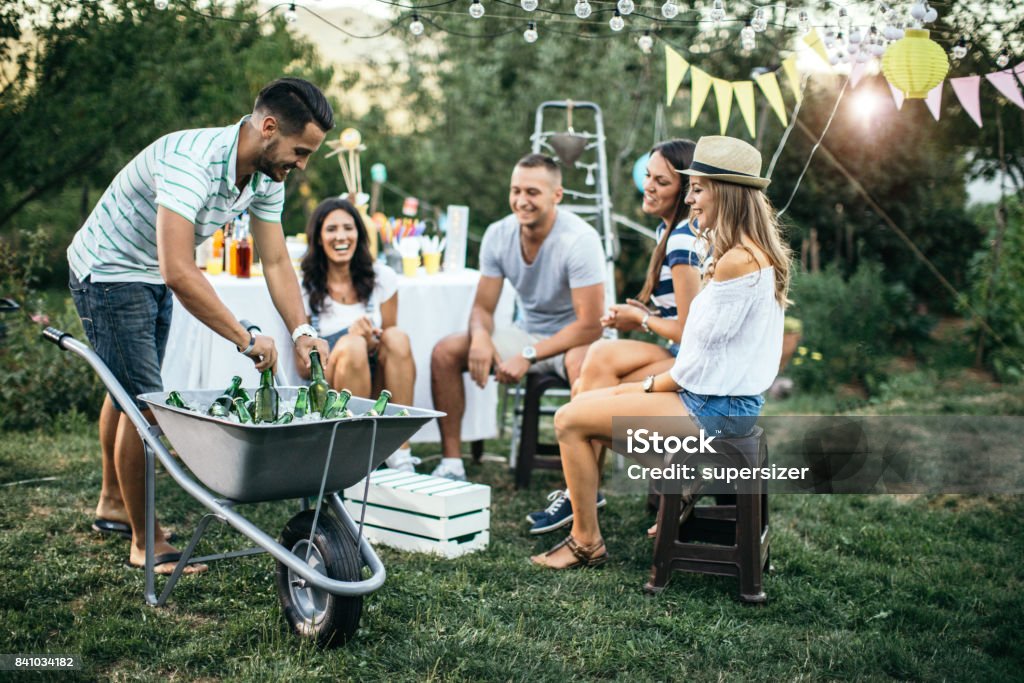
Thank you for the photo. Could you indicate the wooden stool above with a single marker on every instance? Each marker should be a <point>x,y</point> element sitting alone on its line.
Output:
<point>529,445</point>
<point>730,538</point>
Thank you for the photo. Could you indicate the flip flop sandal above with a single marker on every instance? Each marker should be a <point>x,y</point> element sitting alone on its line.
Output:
<point>162,558</point>
<point>107,526</point>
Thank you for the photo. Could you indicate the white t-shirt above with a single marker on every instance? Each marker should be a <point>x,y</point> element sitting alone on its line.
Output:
<point>337,316</point>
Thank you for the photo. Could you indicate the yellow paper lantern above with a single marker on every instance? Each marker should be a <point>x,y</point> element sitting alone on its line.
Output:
<point>915,64</point>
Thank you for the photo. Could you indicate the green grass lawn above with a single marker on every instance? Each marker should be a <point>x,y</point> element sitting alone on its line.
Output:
<point>862,588</point>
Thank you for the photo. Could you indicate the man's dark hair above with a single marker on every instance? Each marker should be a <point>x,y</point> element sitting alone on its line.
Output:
<point>536,160</point>
<point>294,103</point>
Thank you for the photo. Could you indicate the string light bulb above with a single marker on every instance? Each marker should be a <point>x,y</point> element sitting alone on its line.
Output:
<point>617,22</point>
<point>670,9</point>
<point>759,23</point>
<point>645,43</point>
<point>416,26</point>
<point>583,9</point>
<point>804,22</point>
<point>918,10</point>
<point>930,14</point>
<point>476,9</point>
<point>626,7</point>
<point>160,4</point>
<point>528,5</point>
<point>960,49</point>
<point>747,33</point>
<point>530,34</point>
<point>844,18</point>
<point>291,16</point>
<point>717,13</point>
<point>1003,59</point>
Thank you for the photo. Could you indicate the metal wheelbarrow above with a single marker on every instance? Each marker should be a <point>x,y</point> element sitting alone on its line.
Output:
<point>320,557</point>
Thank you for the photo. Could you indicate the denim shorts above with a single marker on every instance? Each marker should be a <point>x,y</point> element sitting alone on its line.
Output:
<point>725,416</point>
<point>127,324</point>
<point>673,348</point>
<point>332,339</point>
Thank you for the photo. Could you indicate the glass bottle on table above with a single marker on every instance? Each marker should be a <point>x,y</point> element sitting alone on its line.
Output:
<point>267,399</point>
<point>318,386</point>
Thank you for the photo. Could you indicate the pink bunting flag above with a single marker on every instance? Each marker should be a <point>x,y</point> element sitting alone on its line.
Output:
<point>967,91</point>
<point>857,73</point>
<point>1006,83</point>
<point>934,101</point>
<point>897,96</point>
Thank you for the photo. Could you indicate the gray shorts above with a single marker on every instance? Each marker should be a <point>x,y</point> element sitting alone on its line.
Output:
<point>510,341</point>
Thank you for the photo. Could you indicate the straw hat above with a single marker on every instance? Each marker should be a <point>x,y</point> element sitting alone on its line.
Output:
<point>727,160</point>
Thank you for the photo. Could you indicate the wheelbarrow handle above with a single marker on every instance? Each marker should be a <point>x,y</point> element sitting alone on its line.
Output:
<point>52,334</point>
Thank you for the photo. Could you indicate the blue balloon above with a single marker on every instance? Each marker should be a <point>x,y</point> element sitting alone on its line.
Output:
<point>640,171</point>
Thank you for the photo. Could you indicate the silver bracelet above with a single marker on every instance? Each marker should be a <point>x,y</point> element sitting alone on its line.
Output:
<point>249,348</point>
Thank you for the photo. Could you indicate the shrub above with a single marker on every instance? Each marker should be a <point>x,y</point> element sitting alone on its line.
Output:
<point>40,386</point>
<point>996,293</point>
<point>855,324</point>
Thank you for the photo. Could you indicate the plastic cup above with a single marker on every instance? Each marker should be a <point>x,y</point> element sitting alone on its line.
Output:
<point>432,262</point>
<point>409,265</point>
<point>214,266</point>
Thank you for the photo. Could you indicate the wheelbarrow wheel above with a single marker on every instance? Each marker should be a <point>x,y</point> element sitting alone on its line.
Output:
<point>312,613</point>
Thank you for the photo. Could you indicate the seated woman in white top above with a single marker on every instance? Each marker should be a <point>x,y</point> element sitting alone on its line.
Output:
<point>353,304</point>
<point>731,344</point>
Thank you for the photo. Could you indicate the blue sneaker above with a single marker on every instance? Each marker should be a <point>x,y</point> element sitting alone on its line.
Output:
<point>557,514</point>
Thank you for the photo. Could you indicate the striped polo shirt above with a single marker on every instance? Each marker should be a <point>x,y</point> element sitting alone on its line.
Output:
<point>683,248</point>
<point>190,172</point>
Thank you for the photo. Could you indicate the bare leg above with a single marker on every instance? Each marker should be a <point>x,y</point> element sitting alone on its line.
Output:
<point>110,505</point>
<point>348,366</point>
<point>586,418</point>
<point>130,461</point>
<point>609,362</point>
<point>447,363</point>
<point>397,369</point>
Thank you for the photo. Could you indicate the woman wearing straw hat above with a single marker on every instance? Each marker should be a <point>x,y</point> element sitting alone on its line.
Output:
<point>731,344</point>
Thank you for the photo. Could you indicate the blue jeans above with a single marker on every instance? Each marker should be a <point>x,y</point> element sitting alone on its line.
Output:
<point>127,324</point>
<point>724,416</point>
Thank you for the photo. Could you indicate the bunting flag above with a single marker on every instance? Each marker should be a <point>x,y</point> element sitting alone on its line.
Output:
<point>897,95</point>
<point>967,91</point>
<point>813,41</point>
<point>769,85</point>
<point>1006,83</point>
<point>723,95</point>
<point>700,85</point>
<point>793,77</point>
<point>934,101</point>
<point>857,73</point>
<point>745,98</point>
<point>675,66</point>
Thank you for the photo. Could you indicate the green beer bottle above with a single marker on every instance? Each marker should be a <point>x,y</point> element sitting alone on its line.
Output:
<point>332,397</point>
<point>404,412</point>
<point>267,399</point>
<point>337,408</point>
<point>236,384</point>
<point>220,407</point>
<point>302,402</point>
<point>175,399</point>
<point>286,418</point>
<point>244,416</point>
<point>318,386</point>
<point>381,404</point>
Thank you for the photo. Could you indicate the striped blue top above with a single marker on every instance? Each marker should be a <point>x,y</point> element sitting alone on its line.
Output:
<point>683,248</point>
<point>190,172</point>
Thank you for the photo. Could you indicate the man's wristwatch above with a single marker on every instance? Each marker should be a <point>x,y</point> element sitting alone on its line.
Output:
<point>530,354</point>
<point>304,330</point>
<point>252,329</point>
<point>643,323</point>
<point>648,384</point>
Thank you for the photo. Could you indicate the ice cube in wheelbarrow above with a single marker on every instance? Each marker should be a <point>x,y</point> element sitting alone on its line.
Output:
<point>248,463</point>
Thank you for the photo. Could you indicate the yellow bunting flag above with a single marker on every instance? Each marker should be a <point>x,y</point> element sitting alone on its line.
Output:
<point>793,76</point>
<point>723,95</point>
<point>813,40</point>
<point>769,85</point>
<point>700,85</point>
<point>745,98</point>
<point>675,69</point>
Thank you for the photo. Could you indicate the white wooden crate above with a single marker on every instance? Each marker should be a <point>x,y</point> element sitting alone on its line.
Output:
<point>420,513</point>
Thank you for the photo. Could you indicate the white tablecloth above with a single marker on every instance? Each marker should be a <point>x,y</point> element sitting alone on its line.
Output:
<point>429,307</point>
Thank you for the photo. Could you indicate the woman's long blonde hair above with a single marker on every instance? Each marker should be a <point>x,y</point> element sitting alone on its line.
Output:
<point>745,211</point>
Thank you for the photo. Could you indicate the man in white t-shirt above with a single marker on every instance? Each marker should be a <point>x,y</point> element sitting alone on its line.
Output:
<point>555,262</point>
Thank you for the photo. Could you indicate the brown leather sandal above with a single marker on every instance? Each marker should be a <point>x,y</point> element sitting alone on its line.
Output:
<point>586,555</point>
